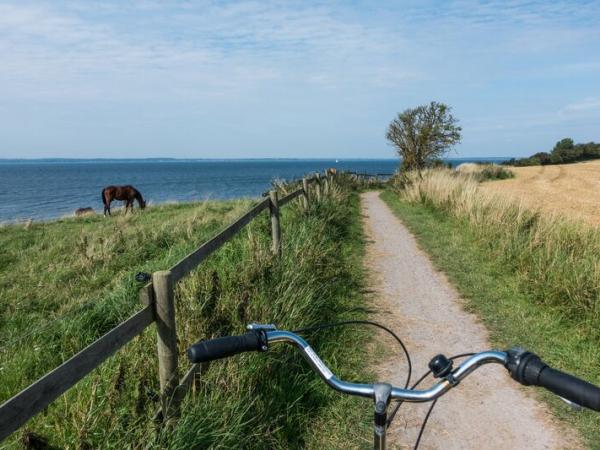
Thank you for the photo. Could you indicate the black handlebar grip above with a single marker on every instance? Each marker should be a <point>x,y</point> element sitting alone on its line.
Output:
<point>223,347</point>
<point>528,369</point>
<point>570,387</point>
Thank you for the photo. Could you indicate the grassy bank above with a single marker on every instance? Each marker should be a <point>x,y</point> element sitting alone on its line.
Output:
<point>65,283</point>
<point>534,280</point>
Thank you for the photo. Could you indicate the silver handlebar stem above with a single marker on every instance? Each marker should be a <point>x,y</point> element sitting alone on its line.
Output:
<point>367,390</point>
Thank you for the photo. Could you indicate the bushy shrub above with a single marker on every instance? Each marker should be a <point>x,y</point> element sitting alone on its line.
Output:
<point>484,172</point>
<point>564,152</point>
<point>493,172</point>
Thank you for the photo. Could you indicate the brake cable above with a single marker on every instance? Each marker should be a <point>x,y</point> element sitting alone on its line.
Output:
<point>424,423</point>
<point>408,360</point>
<point>365,322</point>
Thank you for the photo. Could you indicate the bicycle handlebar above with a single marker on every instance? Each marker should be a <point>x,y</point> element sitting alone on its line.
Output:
<point>525,367</point>
<point>528,369</point>
<point>224,347</point>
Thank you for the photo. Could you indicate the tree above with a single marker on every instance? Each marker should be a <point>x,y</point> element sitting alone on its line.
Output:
<point>423,134</point>
<point>564,152</point>
<point>543,158</point>
<point>564,144</point>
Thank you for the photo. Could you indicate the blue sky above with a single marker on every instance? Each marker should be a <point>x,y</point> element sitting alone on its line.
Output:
<point>283,79</point>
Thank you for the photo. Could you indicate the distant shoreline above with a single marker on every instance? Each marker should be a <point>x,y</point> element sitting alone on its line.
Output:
<point>62,160</point>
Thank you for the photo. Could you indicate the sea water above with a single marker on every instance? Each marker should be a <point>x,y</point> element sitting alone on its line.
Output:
<point>46,189</point>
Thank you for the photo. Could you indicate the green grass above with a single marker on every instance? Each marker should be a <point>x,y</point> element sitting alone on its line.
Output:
<point>65,283</point>
<point>493,172</point>
<point>496,286</point>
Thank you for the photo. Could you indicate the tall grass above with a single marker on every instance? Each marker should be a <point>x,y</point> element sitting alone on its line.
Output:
<point>496,291</point>
<point>253,401</point>
<point>64,283</point>
<point>275,400</point>
<point>557,260</point>
<point>533,278</point>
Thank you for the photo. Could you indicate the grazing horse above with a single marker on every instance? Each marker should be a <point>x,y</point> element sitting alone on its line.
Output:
<point>126,193</point>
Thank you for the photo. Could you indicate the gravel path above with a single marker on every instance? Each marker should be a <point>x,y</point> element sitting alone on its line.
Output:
<point>488,410</point>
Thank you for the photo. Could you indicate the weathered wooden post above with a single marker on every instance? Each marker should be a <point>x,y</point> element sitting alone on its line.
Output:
<point>166,338</point>
<point>275,226</point>
<point>146,295</point>
<point>318,187</point>
<point>306,196</point>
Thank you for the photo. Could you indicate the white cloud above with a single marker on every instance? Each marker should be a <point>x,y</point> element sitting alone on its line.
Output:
<point>210,48</point>
<point>503,65</point>
<point>105,50</point>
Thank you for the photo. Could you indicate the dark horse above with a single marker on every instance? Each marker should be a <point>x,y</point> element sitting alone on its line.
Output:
<point>126,193</point>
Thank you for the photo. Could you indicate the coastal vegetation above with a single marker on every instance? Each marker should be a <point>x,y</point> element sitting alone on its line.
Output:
<point>485,172</point>
<point>534,278</point>
<point>564,152</point>
<point>65,283</point>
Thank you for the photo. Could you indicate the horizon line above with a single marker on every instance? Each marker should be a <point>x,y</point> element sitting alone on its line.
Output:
<point>237,159</point>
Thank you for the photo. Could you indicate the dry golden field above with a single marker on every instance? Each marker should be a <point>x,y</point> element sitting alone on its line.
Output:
<point>568,189</point>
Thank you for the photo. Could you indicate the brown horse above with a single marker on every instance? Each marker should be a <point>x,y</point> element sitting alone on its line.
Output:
<point>126,193</point>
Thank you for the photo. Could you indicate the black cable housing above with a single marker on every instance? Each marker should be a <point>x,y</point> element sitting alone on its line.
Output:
<point>408,360</point>
<point>364,322</point>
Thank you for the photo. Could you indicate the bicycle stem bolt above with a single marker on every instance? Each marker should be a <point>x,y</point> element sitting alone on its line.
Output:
<point>440,366</point>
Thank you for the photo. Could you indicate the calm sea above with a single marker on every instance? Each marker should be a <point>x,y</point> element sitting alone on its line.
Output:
<point>46,189</point>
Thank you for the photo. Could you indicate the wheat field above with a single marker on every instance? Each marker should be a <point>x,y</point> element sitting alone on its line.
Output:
<point>572,190</point>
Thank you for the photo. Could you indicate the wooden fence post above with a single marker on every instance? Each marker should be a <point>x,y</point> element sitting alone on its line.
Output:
<point>146,295</point>
<point>166,338</point>
<point>318,187</point>
<point>306,196</point>
<point>275,226</point>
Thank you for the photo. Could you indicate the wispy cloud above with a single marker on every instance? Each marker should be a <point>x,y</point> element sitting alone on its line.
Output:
<point>208,47</point>
<point>251,64</point>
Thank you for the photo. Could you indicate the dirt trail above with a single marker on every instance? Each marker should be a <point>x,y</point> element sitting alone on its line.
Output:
<point>488,410</point>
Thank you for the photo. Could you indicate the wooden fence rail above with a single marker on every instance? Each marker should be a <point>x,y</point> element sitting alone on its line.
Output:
<point>288,198</point>
<point>191,261</point>
<point>18,410</point>
<point>158,306</point>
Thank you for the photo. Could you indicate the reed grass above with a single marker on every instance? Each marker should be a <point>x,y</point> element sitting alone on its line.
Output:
<point>557,259</point>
